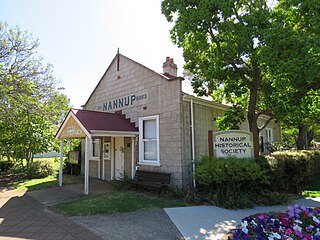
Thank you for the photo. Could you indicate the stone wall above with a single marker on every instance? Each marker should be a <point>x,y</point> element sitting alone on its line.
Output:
<point>163,98</point>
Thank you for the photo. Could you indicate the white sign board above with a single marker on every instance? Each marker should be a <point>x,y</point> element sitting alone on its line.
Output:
<point>233,143</point>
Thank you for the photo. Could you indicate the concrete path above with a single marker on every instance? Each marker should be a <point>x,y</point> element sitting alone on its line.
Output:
<point>140,225</point>
<point>209,222</point>
<point>22,217</point>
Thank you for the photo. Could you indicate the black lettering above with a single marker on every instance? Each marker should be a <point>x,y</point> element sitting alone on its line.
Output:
<point>105,106</point>
<point>133,98</point>
<point>120,102</point>
<point>126,101</point>
<point>115,103</point>
<point>109,105</point>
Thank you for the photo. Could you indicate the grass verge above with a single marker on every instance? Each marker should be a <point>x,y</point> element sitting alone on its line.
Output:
<point>115,202</point>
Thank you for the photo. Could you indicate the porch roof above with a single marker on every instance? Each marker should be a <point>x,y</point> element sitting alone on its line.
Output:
<point>93,122</point>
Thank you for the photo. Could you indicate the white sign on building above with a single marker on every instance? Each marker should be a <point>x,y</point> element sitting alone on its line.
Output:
<point>233,143</point>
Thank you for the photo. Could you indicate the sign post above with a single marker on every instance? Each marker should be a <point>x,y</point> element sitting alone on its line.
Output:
<point>233,143</point>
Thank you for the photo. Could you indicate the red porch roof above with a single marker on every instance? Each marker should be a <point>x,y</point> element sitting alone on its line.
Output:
<point>94,122</point>
<point>102,121</point>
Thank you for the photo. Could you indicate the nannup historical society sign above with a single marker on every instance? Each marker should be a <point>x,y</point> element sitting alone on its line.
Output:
<point>233,143</point>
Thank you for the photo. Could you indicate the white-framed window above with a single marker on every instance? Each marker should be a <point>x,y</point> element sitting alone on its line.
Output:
<point>95,149</point>
<point>149,140</point>
<point>269,135</point>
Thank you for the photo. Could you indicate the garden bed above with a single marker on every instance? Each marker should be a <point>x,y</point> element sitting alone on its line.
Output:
<point>299,222</point>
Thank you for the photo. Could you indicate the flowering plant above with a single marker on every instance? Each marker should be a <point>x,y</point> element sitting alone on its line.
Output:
<point>299,222</point>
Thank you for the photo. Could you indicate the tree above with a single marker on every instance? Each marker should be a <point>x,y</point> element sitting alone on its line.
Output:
<point>293,54</point>
<point>30,103</point>
<point>225,45</point>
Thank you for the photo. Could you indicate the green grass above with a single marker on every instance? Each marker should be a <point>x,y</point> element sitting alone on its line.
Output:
<point>42,183</point>
<point>313,189</point>
<point>115,202</point>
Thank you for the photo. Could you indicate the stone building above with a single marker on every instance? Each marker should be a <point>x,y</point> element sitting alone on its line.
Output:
<point>165,126</point>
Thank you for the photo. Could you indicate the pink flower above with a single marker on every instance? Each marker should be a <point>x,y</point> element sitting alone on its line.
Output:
<point>308,236</point>
<point>288,231</point>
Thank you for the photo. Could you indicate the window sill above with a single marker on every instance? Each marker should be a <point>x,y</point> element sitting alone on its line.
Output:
<point>150,164</point>
<point>94,159</point>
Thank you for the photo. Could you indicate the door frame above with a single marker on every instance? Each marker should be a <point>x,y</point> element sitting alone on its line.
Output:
<point>120,141</point>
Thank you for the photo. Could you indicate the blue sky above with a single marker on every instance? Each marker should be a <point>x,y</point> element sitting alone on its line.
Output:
<point>81,37</point>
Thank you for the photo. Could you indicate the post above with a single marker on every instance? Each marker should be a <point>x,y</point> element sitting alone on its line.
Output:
<point>193,148</point>
<point>86,166</point>
<point>112,158</point>
<point>61,161</point>
<point>132,158</point>
<point>210,143</point>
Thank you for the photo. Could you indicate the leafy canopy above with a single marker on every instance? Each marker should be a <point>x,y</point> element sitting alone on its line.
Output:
<point>30,104</point>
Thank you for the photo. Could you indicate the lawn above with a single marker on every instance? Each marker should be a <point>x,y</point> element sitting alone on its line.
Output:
<point>115,202</point>
<point>42,183</point>
<point>313,187</point>
<point>35,184</point>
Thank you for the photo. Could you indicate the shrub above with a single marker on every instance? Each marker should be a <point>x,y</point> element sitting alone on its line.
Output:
<point>234,174</point>
<point>290,171</point>
<point>231,182</point>
<point>5,166</point>
<point>172,193</point>
<point>39,169</point>
<point>124,183</point>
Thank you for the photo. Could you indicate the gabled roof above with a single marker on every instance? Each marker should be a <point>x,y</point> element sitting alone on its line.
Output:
<point>166,76</point>
<point>91,123</point>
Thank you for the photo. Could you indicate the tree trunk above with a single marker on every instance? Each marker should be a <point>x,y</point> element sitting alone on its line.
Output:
<point>310,137</point>
<point>252,120</point>
<point>301,140</point>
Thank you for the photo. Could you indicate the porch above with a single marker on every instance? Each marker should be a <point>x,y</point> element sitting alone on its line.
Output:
<point>108,144</point>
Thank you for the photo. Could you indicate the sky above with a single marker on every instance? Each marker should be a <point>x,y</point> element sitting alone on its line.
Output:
<point>81,37</point>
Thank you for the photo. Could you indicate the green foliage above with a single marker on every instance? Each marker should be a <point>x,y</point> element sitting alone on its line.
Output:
<point>236,174</point>
<point>39,169</point>
<point>31,105</point>
<point>231,183</point>
<point>124,183</point>
<point>246,53</point>
<point>290,171</point>
<point>5,166</point>
<point>172,193</point>
<point>232,119</point>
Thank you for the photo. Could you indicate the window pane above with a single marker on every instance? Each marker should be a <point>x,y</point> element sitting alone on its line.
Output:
<point>149,129</point>
<point>95,148</point>
<point>150,150</point>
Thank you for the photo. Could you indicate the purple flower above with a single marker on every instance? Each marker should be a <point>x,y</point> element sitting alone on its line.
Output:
<point>309,229</point>
<point>297,223</point>
<point>298,233</point>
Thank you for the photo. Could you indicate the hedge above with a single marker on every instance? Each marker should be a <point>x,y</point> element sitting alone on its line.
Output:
<point>290,170</point>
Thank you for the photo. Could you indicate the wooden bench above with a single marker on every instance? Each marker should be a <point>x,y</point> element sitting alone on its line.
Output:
<point>155,180</point>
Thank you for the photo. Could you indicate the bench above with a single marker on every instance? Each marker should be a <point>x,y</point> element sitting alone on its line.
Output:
<point>155,180</point>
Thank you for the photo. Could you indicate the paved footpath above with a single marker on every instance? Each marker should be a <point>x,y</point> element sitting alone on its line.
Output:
<point>212,223</point>
<point>23,217</point>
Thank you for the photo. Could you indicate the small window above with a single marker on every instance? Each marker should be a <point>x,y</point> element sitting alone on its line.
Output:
<point>269,135</point>
<point>149,140</point>
<point>95,149</point>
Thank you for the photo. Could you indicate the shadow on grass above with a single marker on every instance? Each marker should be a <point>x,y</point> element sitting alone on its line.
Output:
<point>18,182</point>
